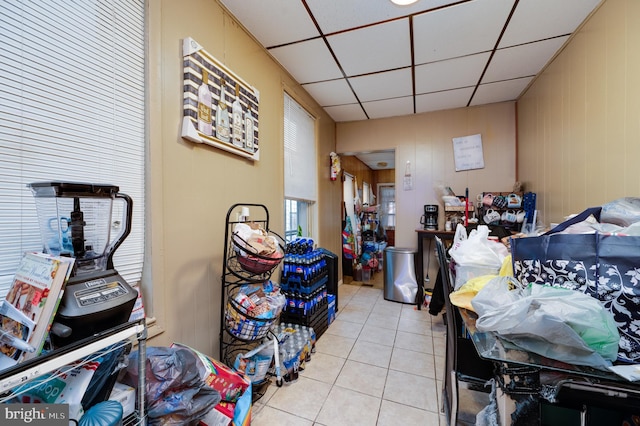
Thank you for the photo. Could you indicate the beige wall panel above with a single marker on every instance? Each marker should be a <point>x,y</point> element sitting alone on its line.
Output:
<point>575,113</point>
<point>329,192</point>
<point>192,186</point>
<point>631,114</point>
<point>583,107</point>
<point>552,140</point>
<point>614,117</point>
<point>426,141</point>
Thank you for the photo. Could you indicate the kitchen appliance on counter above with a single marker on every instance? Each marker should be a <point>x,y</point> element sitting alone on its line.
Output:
<point>76,220</point>
<point>430,218</point>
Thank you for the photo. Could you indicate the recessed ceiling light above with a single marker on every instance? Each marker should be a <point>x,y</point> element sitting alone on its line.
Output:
<point>403,2</point>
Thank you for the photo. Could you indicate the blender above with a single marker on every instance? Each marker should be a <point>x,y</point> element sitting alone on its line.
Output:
<point>76,220</point>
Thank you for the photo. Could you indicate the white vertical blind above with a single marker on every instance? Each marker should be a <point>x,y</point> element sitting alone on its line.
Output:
<point>71,109</point>
<point>301,169</point>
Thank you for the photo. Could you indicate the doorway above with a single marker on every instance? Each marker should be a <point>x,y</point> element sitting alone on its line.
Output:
<point>366,177</point>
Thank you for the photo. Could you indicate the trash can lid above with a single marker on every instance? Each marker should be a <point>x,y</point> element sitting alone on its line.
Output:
<point>400,250</point>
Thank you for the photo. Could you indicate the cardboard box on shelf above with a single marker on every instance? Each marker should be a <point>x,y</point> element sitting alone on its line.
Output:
<point>126,396</point>
<point>331,298</point>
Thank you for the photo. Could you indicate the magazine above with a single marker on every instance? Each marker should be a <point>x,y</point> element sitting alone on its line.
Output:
<point>36,292</point>
<point>15,332</point>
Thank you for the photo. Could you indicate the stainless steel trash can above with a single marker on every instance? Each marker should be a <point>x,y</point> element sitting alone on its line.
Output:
<point>400,284</point>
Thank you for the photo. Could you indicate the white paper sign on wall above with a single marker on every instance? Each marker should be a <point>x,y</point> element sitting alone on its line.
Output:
<point>467,152</point>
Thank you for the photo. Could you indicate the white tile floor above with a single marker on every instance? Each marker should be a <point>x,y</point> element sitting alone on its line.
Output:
<point>379,363</point>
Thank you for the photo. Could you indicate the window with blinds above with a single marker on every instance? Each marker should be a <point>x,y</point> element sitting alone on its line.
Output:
<point>301,169</point>
<point>72,108</point>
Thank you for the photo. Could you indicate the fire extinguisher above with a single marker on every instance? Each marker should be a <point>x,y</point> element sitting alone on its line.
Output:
<point>335,165</point>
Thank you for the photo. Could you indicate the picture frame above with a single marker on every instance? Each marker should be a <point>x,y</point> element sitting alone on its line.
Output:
<point>220,108</point>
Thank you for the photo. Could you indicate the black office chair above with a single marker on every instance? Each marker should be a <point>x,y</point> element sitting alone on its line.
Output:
<point>463,366</point>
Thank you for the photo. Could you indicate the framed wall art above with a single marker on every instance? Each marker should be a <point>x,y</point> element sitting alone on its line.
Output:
<point>220,108</point>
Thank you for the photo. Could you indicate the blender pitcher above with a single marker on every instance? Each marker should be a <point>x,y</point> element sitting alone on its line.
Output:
<point>75,220</point>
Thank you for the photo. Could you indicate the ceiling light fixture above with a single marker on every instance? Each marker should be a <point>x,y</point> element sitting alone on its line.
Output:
<point>382,164</point>
<point>403,2</point>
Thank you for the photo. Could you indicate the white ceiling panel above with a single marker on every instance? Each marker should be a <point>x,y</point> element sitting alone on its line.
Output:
<point>389,107</point>
<point>334,92</point>
<point>308,62</point>
<point>443,100</point>
<point>500,91</point>
<point>380,47</point>
<point>339,15</point>
<point>384,85</point>
<point>454,41</point>
<point>540,19</point>
<point>523,60</point>
<point>450,74</point>
<point>459,30</point>
<point>353,112</point>
<point>273,22</point>
<point>374,159</point>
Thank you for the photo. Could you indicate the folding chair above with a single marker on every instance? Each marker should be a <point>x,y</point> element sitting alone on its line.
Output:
<point>463,366</point>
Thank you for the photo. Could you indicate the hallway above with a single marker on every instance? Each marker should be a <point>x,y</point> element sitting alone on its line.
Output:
<point>380,363</point>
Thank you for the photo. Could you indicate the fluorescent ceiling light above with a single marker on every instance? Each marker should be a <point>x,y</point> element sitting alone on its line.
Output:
<point>403,2</point>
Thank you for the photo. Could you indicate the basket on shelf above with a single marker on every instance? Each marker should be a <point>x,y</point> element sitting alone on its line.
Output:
<point>258,264</point>
<point>252,261</point>
<point>243,326</point>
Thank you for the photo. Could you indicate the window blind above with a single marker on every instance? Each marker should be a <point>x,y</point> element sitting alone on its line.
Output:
<point>71,109</point>
<point>301,167</point>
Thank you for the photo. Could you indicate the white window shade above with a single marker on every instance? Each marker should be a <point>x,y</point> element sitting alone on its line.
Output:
<point>71,109</point>
<point>300,159</point>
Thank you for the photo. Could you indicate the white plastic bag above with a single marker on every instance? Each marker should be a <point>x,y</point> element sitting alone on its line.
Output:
<point>623,211</point>
<point>476,255</point>
<point>557,323</point>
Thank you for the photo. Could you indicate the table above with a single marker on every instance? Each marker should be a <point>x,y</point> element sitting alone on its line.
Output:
<point>423,234</point>
<point>583,379</point>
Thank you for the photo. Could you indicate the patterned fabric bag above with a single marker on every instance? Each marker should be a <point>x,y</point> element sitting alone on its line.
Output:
<point>606,267</point>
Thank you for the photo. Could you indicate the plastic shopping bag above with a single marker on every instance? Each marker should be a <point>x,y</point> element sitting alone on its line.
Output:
<point>553,322</point>
<point>476,256</point>
<point>462,297</point>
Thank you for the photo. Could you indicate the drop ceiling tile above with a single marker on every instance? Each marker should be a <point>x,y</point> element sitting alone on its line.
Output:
<point>540,19</point>
<point>459,30</point>
<point>384,85</point>
<point>450,43</point>
<point>443,100</point>
<point>334,92</point>
<point>450,74</point>
<point>523,60</point>
<point>372,159</point>
<point>380,47</point>
<point>339,15</point>
<point>308,62</point>
<point>389,107</point>
<point>352,112</point>
<point>273,22</point>
<point>500,91</point>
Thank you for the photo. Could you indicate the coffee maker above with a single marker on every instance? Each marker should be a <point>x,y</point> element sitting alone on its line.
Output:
<point>430,218</point>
